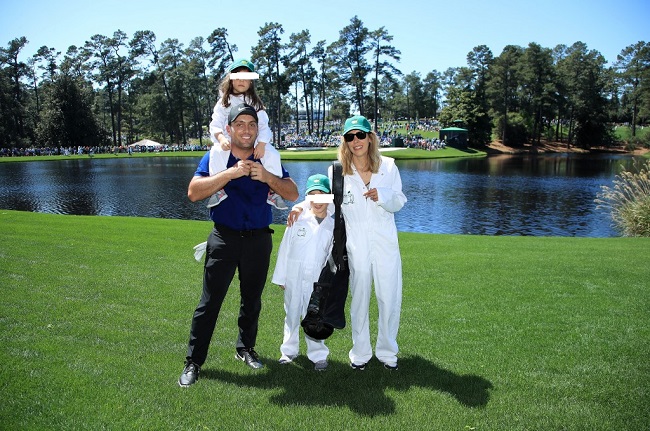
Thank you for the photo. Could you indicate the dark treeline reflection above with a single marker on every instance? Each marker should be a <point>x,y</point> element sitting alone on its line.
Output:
<point>543,195</point>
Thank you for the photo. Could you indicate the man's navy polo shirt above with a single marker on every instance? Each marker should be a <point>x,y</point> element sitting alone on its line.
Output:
<point>246,207</point>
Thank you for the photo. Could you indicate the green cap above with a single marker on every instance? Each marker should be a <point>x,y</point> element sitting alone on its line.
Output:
<point>358,122</point>
<point>242,62</point>
<point>318,182</point>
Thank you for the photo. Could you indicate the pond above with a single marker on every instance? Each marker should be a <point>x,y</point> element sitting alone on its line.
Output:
<point>538,195</point>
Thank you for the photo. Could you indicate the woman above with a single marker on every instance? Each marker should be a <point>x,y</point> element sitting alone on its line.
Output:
<point>372,193</point>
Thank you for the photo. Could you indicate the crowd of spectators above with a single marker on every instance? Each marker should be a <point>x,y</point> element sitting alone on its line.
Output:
<point>99,149</point>
<point>390,134</point>
<point>291,138</point>
<point>425,144</point>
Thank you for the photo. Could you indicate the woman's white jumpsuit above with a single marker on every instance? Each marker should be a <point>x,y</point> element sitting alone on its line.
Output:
<point>303,252</point>
<point>374,256</point>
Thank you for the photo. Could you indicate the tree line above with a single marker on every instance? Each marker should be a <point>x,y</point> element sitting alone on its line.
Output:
<point>114,90</point>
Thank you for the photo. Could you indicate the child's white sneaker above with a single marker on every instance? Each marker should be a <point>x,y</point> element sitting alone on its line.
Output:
<point>276,200</point>
<point>217,198</point>
<point>286,359</point>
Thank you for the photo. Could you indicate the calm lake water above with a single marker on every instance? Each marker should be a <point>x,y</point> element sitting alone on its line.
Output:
<point>541,195</point>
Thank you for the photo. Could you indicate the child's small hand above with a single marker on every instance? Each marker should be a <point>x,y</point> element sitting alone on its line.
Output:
<point>225,143</point>
<point>260,149</point>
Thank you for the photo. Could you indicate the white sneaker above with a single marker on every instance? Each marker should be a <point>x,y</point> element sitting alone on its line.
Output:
<point>217,198</point>
<point>320,365</point>
<point>286,359</point>
<point>391,366</point>
<point>276,200</point>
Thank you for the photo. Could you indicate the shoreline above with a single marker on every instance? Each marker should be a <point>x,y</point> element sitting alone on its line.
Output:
<point>329,153</point>
<point>497,147</point>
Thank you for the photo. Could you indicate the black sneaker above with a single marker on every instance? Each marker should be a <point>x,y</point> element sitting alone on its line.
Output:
<point>358,367</point>
<point>190,374</point>
<point>249,356</point>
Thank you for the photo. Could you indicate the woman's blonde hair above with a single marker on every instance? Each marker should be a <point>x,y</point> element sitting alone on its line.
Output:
<point>250,96</point>
<point>374,156</point>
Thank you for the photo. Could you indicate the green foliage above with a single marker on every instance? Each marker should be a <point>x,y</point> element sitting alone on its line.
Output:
<point>516,131</point>
<point>140,89</point>
<point>497,333</point>
<point>640,140</point>
<point>583,75</point>
<point>629,201</point>
<point>645,140</point>
<point>633,64</point>
<point>66,118</point>
<point>593,132</point>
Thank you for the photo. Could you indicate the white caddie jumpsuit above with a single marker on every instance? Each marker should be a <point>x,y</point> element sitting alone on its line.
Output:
<point>374,256</point>
<point>303,252</point>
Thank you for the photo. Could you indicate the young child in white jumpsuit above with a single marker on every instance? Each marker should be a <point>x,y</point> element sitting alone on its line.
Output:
<point>303,252</point>
<point>238,86</point>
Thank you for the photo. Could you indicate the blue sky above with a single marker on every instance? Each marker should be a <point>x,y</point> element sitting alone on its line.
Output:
<point>430,34</point>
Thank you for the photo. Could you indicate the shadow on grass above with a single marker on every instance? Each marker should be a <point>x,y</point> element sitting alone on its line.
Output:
<point>361,391</point>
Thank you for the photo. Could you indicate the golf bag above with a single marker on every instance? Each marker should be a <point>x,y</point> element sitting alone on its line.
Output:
<point>326,310</point>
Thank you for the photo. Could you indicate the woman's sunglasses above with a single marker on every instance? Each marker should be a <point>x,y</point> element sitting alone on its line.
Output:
<point>349,137</point>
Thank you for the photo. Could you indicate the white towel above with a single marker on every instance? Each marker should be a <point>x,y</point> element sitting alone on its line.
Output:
<point>199,251</point>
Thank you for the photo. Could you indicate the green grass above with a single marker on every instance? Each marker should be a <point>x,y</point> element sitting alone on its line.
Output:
<point>319,154</point>
<point>624,133</point>
<point>398,154</point>
<point>101,156</point>
<point>497,333</point>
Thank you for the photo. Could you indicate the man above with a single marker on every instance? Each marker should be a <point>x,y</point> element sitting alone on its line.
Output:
<point>241,240</point>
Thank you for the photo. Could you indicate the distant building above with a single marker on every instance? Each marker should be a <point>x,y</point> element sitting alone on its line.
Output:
<point>454,137</point>
<point>302,115</point>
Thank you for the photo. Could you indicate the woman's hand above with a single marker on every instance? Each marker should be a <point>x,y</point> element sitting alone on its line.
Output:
<point>371,194</point>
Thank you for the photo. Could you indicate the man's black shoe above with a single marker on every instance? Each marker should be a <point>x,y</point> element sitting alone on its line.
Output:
<point>249,356</point>
<point>190,375</point>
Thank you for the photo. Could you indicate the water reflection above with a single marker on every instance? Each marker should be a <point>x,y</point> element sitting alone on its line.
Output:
<point>545,195</point>
<point>501,195</point>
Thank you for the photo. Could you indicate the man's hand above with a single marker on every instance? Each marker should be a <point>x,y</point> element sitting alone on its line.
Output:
<point>285,187</point>
<point>258,172</point>
<point>204,187</point>
<point>241,169</point>
<point>293,215</point>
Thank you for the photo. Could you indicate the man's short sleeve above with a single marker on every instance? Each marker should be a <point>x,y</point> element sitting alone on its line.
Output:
<point>203,169</point>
